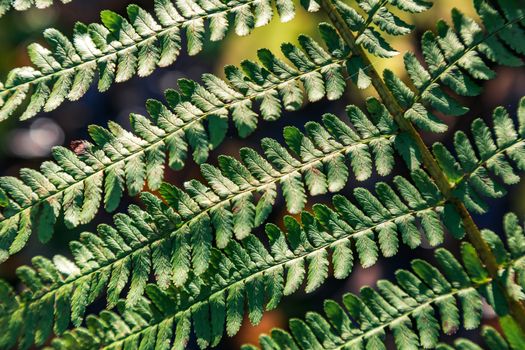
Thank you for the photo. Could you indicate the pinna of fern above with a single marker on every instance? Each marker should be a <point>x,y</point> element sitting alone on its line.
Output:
<point>483,170</point>
<point>22,5</point>
<point>453,58</point>
<point>155,240</point>
<point>119,48</point>
<point>118,152</point>
<point>492,340</point>
<point>408,308</point>
<point>378,20</point>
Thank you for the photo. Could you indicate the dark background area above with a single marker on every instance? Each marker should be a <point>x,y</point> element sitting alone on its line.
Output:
<point>28,144</point>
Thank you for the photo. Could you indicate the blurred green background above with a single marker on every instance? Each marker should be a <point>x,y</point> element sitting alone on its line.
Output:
<point>27,144</point>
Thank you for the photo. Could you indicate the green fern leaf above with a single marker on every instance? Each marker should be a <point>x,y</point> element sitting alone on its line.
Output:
<point>409,309</point>
<point>247,271</point>
<point>385,20</point>
<point>121,48</point>
<point>171,242</point>
<point>481,170</point>
<point>120,159</point>
<point>455,58</point>
<point>23,5</point>
<point>492,340</point>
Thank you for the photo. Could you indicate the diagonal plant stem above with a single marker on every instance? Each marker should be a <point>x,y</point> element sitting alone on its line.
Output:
<point>516,308</point>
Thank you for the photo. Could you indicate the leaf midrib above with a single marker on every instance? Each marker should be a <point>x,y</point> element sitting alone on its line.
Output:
<point>483,162</point>
<point>402,316</point>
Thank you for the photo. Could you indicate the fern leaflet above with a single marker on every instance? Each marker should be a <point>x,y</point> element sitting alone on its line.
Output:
<point>491,338</point>
<point>454,59</point>
<point>22,5</point>
<point>409,308</point>
<point>248,271</point>
<point>417,296</point>
<point>473,174</point>
<point>120,48</point>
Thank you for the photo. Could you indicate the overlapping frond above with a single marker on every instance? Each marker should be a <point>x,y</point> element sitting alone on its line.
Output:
<point>239,195</point>
<point>121,48</point>
<point>176,240</point>
<point>456,58</point>
<point>248,273</point>
<point>421,305</point>
<point>195,118</point>
<point>371,20</point>
<point>454,293</point>
<point>511,255</point>
<point>481,168</point>
<point>492,340</point>
<point>22,5</point>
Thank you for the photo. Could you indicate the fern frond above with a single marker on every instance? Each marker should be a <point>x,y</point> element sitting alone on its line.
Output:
<point>195,118</point>
<point>422,304</point>
<point>492,340</point>
<point>241,194</point>
<point>416,299</point>
<point>409,309</point>
<point>372,37</point>
<point>23,5</point>
<point>121,48</point>
<point>479,171</point>
<point>172,241</point>
<point>455,58</point>
<point>249,272</point>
